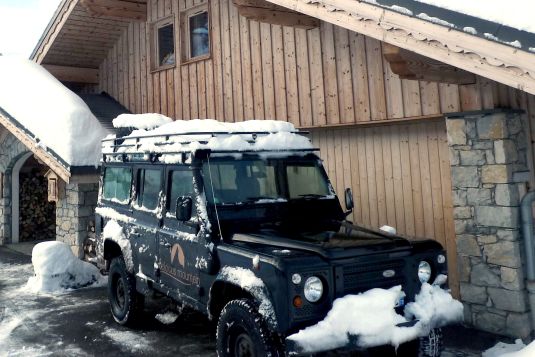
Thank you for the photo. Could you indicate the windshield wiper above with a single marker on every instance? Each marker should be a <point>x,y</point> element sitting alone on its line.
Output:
<point>311,195</point>
<point>258,198</point>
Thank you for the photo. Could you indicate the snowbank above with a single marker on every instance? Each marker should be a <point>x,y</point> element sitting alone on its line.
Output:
<point>57,269</point>
<point>57,117</point>
<point>371,319</point>
<point>514,13</point>
<point>281,135</point>
<point>517,349</point>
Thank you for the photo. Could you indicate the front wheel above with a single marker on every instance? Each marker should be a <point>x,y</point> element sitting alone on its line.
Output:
<point>243,332</point>
<point>428,346</point>
<point>125,302</point>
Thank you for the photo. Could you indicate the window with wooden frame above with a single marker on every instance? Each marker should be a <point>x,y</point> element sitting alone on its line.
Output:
<point>163,44</point>
<point>195,33</point>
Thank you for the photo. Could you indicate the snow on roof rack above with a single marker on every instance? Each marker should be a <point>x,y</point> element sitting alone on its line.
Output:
<point>153,146</point>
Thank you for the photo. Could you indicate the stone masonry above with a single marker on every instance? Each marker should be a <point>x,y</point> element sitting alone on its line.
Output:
<point>75,214</point>
<point>10,151</point>
<point>487,151</point>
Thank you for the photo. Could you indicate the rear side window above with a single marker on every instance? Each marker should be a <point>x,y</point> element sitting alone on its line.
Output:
<point>180,184</point>
<point>148,188</point>
<point>117,184</point>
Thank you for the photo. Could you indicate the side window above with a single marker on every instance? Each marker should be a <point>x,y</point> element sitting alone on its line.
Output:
<point>163,44</point>
<point>180,184</point>
<point>195,33</point>
<point>117,184</point>
<point>149,182</point>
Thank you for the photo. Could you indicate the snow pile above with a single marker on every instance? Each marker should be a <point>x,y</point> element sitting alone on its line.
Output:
<point>141,121</point>
<point>281,136</point>
<point>370,319</point>
<point>166,318</point>
<point>57,117</point>
<point>514,13</point>
<point>517,349</point>
<point>57,269</point>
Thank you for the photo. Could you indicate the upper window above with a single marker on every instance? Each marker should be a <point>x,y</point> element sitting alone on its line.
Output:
<point>117,184</point>
<point>195,33</point>
<point>163,44</point>
<point>148,188</point>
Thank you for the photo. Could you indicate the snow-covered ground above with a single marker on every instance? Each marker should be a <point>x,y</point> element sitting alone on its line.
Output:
<point>517,349</point>
<point>78,322</point>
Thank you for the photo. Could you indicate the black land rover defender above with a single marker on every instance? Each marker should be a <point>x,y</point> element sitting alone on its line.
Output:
<point>257,240</point>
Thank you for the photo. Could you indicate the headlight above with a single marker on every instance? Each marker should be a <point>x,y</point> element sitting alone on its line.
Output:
<point>313,289</point>
<point>424,272</point>
<point>441,259</point>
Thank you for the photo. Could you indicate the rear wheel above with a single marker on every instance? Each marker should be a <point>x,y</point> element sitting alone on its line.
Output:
<point>126,303</point>
<point>242,332</point>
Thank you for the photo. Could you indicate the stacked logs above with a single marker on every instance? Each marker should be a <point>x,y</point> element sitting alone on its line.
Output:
<point>37,215</point>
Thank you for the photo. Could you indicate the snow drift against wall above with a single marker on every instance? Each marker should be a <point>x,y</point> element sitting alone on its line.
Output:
<point>57,117</point>
<point>57,269</point>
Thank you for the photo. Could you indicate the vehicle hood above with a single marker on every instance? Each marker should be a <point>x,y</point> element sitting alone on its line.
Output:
<point>349,241</point>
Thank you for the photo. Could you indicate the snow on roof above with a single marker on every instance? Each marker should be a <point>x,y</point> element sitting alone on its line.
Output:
<point>279,135</point>
<point>514,13</point>
<point>507,22</point>
<point>54,115</point>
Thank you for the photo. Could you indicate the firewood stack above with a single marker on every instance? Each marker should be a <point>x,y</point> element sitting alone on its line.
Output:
<point>37,215</point>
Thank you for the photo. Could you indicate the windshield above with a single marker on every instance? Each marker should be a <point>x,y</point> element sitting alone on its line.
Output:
<point>258,180</point>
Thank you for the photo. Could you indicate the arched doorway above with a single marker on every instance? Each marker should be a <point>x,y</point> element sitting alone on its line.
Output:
<point>33,217</point>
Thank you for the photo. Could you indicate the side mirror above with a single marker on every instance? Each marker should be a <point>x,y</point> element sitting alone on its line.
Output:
<point>349,200</point>
<point>183,208</point>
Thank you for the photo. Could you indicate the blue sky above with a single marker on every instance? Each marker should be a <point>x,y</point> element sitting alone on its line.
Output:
<point>21,24</point>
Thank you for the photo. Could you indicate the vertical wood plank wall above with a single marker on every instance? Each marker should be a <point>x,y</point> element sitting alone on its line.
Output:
<point>317,77</point>
<point>400,176</point>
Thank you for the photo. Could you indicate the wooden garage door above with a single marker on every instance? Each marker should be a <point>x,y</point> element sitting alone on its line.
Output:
<point>400,176</point>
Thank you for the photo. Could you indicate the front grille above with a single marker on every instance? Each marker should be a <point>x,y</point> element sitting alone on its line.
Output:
<point>361,277</point>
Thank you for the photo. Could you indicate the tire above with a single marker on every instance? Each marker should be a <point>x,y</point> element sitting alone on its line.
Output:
<point>428,346</point>
<point>126,304</point>
<point>243,332</point>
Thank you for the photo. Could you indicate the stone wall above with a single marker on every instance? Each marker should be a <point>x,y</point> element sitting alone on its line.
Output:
<point>75,214</point>
<point>487,151</point>
<point>11,150</point>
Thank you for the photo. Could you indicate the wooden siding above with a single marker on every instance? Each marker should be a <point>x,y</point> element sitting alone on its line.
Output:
<point>324,76</point>
<point>400,176</point>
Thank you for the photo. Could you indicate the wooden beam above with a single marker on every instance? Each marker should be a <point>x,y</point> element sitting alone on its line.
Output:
<point>37,150</point>
<point>73,74</point>
<point>410,65</point>
<point>499,62</point>
<point>263,11</point>
<point>374,123</point>
<point>120,9</point>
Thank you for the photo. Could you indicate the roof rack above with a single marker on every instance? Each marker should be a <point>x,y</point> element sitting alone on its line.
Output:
<point>133,143</point>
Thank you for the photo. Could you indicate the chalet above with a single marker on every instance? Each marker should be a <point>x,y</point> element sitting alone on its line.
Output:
<point>426,113</point>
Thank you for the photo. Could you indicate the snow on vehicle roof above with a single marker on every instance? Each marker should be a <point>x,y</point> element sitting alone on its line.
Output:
<point>55,116</point>
<point>210,134</point>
